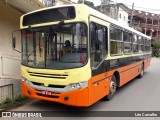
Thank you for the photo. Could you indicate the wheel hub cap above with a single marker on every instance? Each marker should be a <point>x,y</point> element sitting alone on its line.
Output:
<point>112,87</point>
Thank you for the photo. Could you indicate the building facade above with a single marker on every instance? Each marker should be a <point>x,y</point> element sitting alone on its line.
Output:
<point>147,23</point>
<point>117,11</point>
<point>49,3</point>
<point>10,75</point>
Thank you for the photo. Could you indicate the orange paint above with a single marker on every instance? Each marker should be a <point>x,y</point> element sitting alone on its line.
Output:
<point>83,96</point>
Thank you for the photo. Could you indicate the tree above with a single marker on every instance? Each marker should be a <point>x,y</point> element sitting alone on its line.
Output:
<point>91,4</point>
<point>156,48</point>
<point>156,44</point>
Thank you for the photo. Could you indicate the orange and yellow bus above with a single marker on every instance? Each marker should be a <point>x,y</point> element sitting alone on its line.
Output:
<point>76,56</point>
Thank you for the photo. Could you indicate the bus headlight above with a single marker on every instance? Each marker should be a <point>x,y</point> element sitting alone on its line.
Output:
<point>73,86</point>
<point>25,80</point>
<point>76,86</point>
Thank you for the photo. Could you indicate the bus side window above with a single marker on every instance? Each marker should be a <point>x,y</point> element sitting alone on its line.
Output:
<point>98,43</point>
<point>115,40</point>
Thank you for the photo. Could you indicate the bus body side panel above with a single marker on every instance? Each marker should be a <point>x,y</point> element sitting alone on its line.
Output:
<point>147,60</point>
<point>128,68</point>
<point>146,63</point>
<point>99,87</point>
<point>129,72</point>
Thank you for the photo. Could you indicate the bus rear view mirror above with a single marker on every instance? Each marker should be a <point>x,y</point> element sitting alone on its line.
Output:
<point>16,35</point>
<point>14,42</point>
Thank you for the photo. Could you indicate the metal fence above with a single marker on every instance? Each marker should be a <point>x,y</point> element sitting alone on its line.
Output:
<point>6,92</point>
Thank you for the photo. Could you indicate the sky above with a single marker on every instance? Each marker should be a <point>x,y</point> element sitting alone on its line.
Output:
<point>152,6</point>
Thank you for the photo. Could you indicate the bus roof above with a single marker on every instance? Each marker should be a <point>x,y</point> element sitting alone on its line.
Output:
<point>93,12</point>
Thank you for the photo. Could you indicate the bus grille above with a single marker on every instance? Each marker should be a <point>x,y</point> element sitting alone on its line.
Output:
<point>50,96</point>
<point>50,85</point>
<point>56,76</point>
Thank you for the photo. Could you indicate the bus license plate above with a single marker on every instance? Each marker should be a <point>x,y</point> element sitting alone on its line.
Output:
<point>46,92</point>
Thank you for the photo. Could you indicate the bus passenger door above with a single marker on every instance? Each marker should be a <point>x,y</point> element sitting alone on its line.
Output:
<point>98,53</point>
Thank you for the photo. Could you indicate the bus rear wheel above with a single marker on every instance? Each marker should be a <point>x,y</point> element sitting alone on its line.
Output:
<point>112,89</point>
<point>142,72</point>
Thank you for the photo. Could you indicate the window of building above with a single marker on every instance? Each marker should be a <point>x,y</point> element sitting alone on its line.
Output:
<point>99,46</point>
<point>120,15</point>
<point>115,40</point>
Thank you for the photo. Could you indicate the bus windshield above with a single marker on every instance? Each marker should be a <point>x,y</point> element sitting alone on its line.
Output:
<point>53,47</point>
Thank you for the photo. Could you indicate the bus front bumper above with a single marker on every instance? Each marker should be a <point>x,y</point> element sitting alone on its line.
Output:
<point>78,97</point>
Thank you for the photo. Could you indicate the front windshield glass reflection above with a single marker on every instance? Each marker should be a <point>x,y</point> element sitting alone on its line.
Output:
<point>55,47</point>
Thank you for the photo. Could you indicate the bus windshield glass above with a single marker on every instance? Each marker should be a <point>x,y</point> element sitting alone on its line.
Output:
<point>53,47</point>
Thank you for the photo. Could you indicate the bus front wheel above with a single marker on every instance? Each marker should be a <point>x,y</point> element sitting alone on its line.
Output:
<point>112,89</point>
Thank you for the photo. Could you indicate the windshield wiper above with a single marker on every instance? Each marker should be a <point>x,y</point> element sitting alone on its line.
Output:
<point>34,41</point>
<point>51,33</point>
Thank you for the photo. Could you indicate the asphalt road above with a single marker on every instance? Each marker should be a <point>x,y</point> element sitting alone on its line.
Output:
<point>138,95</point>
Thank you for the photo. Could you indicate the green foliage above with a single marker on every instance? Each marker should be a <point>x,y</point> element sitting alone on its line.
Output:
<point>156,48</point>
<point>20,98</point>
<point>91,4</point>
<point>9,102</point>
<point>156,44</point>
<point>6,102</point>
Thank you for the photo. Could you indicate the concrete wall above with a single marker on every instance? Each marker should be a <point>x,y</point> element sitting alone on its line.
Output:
<point>9,22</point>
<point>9,59</point>
<point>9,67</point>
<point>123,16</point>
<point>115,12</point>
<point>108,10</point>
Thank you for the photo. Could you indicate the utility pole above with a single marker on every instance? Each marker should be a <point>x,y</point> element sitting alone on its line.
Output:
<point>132,15</point>
<point>83,2</point>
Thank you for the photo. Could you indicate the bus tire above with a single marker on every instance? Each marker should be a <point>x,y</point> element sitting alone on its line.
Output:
<point>142,72</point>
<point>112,89</point>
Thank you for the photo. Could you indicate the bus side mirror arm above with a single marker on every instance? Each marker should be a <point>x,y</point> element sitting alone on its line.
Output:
<point>14,42</point>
